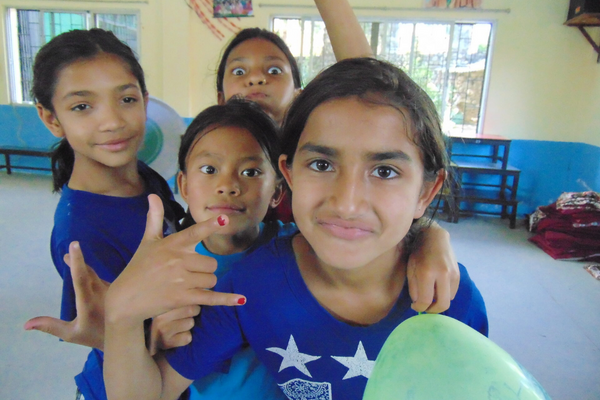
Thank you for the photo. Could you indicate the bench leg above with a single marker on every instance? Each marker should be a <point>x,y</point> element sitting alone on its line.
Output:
<point>7,160</point>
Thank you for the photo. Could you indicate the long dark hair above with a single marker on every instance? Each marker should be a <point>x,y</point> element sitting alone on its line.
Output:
<point>238,113</point>
<point>59,53</point>
<point>375,82</point>
<point>257,33</point>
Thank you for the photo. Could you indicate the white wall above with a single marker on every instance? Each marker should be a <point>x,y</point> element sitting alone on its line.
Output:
<point>544,82</point>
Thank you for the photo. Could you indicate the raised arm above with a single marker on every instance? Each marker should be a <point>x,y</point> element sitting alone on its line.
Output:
<point>163,274</point>
<point>347,37</point>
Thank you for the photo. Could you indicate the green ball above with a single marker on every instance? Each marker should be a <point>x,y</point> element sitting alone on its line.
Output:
<point>434,357</point>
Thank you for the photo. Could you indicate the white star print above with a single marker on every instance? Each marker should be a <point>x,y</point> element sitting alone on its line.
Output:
<point>357,365</point>
<point>293,358</point>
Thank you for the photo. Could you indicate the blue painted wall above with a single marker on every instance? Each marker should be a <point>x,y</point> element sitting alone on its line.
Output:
<point>547,168</point>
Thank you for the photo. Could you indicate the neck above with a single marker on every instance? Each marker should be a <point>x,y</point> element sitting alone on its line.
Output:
<point>231,244</point>
<point>93,177</point>
<point>362,295</point>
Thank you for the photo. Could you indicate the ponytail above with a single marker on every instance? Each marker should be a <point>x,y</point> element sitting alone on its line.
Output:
<point>63,159</point>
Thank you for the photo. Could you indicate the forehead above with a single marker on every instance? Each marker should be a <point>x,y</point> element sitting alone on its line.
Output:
<point>99,71</point>
<point>228,141</point>
<point>352,125</point>
<point>256,49</point>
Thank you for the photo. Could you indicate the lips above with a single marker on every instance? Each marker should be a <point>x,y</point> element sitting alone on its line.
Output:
<point>225,209</point>
<point>345,230</point>
<point>256,96</point>
<point>115,144</point>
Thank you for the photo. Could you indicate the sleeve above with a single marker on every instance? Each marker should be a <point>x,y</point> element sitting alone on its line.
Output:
<point>216,337</point>
<point>468,305</point>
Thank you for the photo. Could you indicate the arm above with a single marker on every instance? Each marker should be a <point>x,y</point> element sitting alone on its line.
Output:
<point>347,37</point>
<point>163,274</point>
<point>432,271</point>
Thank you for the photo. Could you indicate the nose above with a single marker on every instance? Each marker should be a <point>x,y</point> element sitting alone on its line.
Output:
<point>111,118</point>
<point>256,78</point>
<point>228,184</point>
<point>349,194</point>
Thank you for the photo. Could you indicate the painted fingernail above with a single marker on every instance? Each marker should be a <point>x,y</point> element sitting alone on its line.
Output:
<point>221,220</point>
<point>241,301</point>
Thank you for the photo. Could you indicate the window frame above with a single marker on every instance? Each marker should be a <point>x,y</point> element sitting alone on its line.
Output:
<point>452,22</point>
<point>13,59</point>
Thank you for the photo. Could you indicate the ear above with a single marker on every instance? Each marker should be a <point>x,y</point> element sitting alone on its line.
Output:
<point>182,185</point>
<point>428,193</point>
<point>49,119</point>
<point>285,170</point>
<point>277,196</point>
<point>221,98</point>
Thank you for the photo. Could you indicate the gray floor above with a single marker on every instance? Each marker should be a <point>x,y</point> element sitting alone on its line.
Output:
<point>545,313</point>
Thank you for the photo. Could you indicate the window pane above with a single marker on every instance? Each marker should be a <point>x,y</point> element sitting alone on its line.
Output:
<point>124,26</point>
<point>448,60</point>
<point>30,40</point>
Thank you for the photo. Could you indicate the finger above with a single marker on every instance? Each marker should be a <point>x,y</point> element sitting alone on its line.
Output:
<point>196,233</point>
<point>176,327</point>
<point>179,313</point>
<point>210,298</point>
<point>425,291</point>
<point>454,282</point>
<point>178,340</point>
<point>442,299</point>
<point>55,327</point>
<point>83,276</point>
<point>154,221</point>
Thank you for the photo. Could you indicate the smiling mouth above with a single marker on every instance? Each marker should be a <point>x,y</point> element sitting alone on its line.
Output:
<point>116,145</point>
<point>226,209</point>
<point>344,230</point>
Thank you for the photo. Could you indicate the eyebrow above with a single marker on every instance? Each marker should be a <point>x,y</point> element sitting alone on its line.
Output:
<point>371,156</point>
<point>86,93</point>
<point>243,159</point>
<point>267,58</point>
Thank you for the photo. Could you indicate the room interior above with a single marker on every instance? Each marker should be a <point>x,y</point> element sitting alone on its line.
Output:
<point>541,92</point>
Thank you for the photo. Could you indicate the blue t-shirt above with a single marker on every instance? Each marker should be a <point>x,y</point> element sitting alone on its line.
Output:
<point>247,378</point>
<point>109,230</point>
<point>309,352</point>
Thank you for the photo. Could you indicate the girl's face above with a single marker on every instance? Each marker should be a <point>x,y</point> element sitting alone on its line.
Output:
<point>229,173</point>
<point>100,108</point>
<point>259,71</point>
<point>357,183</point>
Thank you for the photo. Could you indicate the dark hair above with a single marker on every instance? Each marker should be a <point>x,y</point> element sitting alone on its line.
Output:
<point>375,82</point>
<point>59,53</point>
<point>257,33</point>
<point>238,113</point>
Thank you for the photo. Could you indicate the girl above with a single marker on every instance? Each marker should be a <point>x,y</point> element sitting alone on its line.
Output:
<point>364,156</point>
<point>259,66</point>
<point>90,91</point>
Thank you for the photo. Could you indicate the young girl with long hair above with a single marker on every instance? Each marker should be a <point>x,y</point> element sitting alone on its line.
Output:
<point>364,156</point>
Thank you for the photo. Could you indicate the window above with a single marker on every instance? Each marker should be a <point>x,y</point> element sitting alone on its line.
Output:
<point>446,59</point>
<point>29,30</point>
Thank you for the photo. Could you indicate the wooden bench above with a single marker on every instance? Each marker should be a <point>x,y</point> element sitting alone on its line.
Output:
<point>8,151</point>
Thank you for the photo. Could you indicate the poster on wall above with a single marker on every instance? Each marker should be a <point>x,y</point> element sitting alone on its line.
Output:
<point>232,8</point>
<point>453,3</point>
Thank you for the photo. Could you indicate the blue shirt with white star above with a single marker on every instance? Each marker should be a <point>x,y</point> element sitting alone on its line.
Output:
<point>311,354</point>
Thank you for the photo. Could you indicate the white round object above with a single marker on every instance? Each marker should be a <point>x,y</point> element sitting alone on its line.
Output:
<point>164,128</point>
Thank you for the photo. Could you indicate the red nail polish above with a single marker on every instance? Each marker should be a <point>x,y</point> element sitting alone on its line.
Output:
<point>221,220</point>
<point>241,301</point>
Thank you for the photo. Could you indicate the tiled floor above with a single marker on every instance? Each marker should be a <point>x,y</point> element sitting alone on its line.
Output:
<point>545,313</point>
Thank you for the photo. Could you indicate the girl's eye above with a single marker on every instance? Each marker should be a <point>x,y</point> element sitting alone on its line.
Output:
<point>238,71</point>
<point>251,172</point>
<point>275,71</point>
<point>80,107</point>
<point>129,100</point>
<point>208,169</point>
<point>320,165</point>
<point>385,173</point>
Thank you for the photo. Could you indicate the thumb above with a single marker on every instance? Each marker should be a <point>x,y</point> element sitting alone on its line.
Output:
<point>154,221</point>
<point>55,327</point>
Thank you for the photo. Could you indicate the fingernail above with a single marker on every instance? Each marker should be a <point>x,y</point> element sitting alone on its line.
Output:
<point>221,220</point>
<point>241,301</point>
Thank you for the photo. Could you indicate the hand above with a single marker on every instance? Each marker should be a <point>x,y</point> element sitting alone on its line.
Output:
<point>432,272</point>
<point>166,273</point>
<point>87,329</point>
<point>172,329</point>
